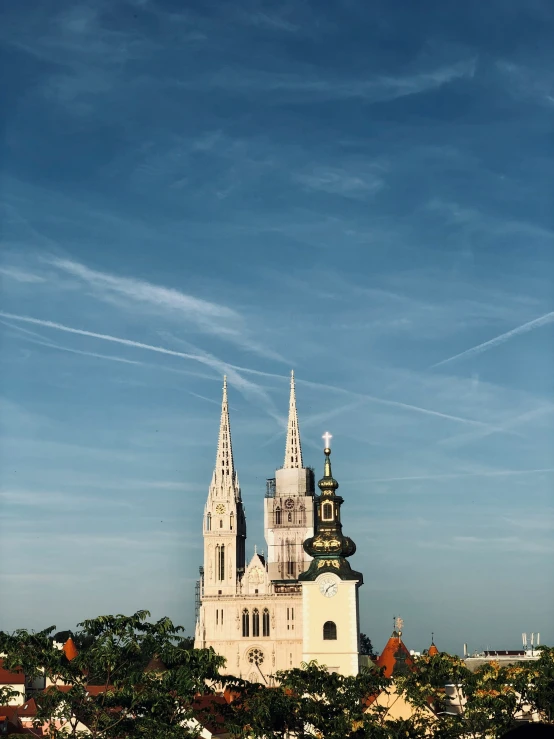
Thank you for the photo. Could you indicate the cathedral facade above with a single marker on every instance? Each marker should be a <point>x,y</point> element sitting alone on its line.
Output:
<point>300,601</point>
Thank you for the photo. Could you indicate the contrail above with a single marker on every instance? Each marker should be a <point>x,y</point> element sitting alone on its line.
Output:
<point>104,337</point>
<point>535,323</point>
<point>456,475</point>
<point>240,382</point>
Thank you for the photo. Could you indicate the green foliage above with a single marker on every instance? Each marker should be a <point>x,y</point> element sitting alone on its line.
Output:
<point>142,698</point>
<point>114,651</point>
<point>366,647</point>
<point>493,698</point>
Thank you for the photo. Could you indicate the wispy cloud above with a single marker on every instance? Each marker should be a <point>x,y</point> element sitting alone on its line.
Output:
<point>341,182</point>
<point>212,318</point>
<point>503,543</point>
<point>60,501</point>
<point>457,475</point>
<point>306,87</point>
<point>486,345</point>
<point>20,275</point>
<point>383,401</point>
<point>512,423</point>
<point>248,388</point>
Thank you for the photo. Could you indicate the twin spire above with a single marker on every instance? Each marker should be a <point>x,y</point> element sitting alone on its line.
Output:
<point>225,466</point>
<point>293,447</point>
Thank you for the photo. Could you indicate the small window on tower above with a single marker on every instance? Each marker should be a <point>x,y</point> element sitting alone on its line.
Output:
<point>290,517</point>
<point>209,522</point>
<point>327,511</point>
<point>278,516</point>
<point>220,523</point>
<point>329,631</point>
<point>231,520</point>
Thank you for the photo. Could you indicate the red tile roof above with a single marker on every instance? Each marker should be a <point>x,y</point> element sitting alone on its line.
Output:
<point>91,689</point>
<point>387,658</point>
<point>10,678</point>
<point>205,708</point>
<point>432,650</point>
<point>28,710</point>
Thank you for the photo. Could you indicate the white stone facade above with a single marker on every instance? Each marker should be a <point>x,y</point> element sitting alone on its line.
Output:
<point>254,615</point>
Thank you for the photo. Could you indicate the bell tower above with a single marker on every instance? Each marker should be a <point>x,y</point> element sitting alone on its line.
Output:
<point>224,525</point>
<point>289,506</point>
<point>330,609</point>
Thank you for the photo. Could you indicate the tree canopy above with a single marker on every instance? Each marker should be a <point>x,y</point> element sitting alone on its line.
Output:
<point>133,678</point>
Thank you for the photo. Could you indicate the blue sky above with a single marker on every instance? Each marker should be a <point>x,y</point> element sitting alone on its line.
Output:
<point>360,191</point>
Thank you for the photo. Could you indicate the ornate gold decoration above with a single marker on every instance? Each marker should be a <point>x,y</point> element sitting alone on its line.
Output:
<point>325,545</point>
<point>220,508</point>
<point>328,563</point>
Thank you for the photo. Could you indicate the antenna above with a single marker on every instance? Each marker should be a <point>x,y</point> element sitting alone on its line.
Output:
<point>524,639</point>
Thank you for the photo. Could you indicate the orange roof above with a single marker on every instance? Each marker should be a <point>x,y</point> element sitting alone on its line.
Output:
<point>70,650</point>
<point>432,650</point>
<point>10,678</point>
<point>388,656</point>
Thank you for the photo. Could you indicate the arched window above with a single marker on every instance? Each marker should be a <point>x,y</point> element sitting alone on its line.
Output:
<point>327,511</point>
<point>245,622</point>
<point>329,631</point>
<point>231,521</point>
<point>255,622</point>
<point>290,518</point>
<point>278,516</point>
<point>265,622</point>
<point>220,561</point>
<point>209,522</point>
<point>220,523</point>
<point>290,558</point>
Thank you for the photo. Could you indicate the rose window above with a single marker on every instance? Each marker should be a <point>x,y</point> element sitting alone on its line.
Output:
<point>256,656</point>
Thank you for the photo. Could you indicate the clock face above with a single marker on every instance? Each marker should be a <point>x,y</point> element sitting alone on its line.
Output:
<point>220,508</point>
<point>328,587</point>
<point>289,503</point>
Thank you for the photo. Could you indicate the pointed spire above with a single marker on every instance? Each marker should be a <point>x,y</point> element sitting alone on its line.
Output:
<point>224,464</point>
<point>293,447</point>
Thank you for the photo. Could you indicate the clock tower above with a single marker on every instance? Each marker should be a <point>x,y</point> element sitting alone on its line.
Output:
<point>224,520</point>
<point>289,506</point>
<point>330,609</point>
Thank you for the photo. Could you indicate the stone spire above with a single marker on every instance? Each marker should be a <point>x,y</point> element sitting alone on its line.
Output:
<point>224,472</point>
<point>293,447</point>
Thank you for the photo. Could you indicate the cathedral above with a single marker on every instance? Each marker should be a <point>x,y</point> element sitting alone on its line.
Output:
<point>297,603</point>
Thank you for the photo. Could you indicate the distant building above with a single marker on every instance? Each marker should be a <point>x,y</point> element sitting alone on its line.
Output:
<point>300,600</point>
<point>13,681</point>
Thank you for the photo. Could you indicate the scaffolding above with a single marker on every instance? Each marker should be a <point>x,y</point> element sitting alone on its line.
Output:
<point>198,593</point>
<point>270,487</point>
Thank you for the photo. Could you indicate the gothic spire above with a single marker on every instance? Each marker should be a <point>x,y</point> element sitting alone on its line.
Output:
<point>224,464</point>
<point>293,447</point>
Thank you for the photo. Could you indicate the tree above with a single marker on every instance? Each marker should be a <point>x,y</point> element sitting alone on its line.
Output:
<point>490,701</point>
<point>114,652</point>
<point>366,647</point>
